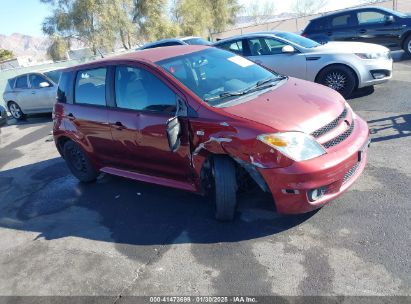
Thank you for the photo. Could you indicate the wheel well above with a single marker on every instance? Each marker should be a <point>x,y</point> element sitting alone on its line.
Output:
<point>247,175</point>
<point>336,65</point>
<point>60,144</point>
<point>8,103</point>
<point>406,35</point>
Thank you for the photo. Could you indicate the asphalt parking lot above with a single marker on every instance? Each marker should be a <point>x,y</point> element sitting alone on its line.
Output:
<point>119,237</point>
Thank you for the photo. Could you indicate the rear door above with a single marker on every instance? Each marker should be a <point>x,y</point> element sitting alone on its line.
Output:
<point>22,95</point>
<point>343,27</point>
<point>373,27</point>
<point>143,105</point>
<point>86,116</point>
<point>43,97</point>
<point>268,52</point>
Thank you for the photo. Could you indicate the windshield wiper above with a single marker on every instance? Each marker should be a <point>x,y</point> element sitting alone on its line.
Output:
<point>258,85</point>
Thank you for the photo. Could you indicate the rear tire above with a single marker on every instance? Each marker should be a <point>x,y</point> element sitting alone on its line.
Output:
<point>224,187</point>
<point>407,45</point>
<point>339,78</point>
<point>15,111</point>
<point>78,162</point>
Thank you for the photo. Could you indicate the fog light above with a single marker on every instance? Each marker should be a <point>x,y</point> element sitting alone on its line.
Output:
<point>378,75</point>
<point>316,194</point>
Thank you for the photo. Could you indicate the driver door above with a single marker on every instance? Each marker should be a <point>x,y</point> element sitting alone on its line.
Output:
<point>140,124</point>
<point>268,52</point>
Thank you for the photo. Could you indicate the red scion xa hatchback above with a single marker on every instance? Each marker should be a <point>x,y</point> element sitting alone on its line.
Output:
<point>205,120</point>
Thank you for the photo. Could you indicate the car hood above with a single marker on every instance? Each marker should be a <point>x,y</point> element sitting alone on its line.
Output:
<point>296,105</point>
<point>335,47</point>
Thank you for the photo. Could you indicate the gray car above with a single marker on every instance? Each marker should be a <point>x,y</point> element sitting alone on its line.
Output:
<point>343,66</point>
<point>31,93</point>
<point>190,40</point>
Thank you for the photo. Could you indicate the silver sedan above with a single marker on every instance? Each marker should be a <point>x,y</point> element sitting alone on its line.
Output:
<point>31,93</point>
<point>343,66</point>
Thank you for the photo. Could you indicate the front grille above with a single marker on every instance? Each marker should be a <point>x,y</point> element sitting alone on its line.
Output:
<point>335,141</point>
<point>351,172</point>
<point>330,126</point>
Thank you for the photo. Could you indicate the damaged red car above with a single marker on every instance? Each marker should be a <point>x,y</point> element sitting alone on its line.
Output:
<point>205,120</point>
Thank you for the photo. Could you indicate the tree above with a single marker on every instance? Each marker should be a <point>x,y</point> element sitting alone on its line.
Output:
<point>308,7</point>
<point>260,12</point>
<point>5,54</point>
<point>152,19</point>
<point>197,17</point>
<point>58,48</point>
<point>96,23</point>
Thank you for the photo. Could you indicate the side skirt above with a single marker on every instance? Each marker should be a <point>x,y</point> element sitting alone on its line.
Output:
<point>151,179</point>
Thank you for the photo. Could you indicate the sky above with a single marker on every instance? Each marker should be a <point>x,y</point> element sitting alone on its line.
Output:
<point>26,16</point>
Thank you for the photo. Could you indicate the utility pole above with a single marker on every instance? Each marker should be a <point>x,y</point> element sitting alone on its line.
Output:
<point>394,4</point>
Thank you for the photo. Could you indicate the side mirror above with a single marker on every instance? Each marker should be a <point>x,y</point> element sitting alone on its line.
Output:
<point>173,133</point>
<point>44,84</point>
<point>389,19</point>
<point>288,49</point>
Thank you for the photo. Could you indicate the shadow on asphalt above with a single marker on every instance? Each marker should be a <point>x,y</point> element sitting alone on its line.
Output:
<point>400,56</point>
<point>383,128</point>
<point>57,206</point>
<point>29,120</point>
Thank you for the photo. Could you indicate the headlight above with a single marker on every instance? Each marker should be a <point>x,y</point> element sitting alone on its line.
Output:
<point>377,55</point>
<point>296,145</point>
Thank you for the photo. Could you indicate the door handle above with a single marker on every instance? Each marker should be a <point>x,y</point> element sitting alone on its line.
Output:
<point>118,125</point>
<point>362,31</point>
<point>71,116</point>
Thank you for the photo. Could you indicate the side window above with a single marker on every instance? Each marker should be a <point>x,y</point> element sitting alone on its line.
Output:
<point>275,46</point>
<point>342,21</point>
<point>138,89</point>
<point>259,46</point>
<point>91,87</point>
<point>35,81</point>
<point>233,46</point>
<point>21,82</point>
<point>370,17</point>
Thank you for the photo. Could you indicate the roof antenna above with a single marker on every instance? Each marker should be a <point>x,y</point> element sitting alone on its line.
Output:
<point>101,54</point>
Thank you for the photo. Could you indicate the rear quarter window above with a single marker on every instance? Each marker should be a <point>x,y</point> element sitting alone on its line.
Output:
<point>317,25</point>
<point>10,84</point>
<point>64,91</point>
<point>90,87</point>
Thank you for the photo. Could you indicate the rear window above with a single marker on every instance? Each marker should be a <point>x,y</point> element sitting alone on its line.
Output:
<point>233,46</point>
<point>91,87</point>
<point>21,82</point>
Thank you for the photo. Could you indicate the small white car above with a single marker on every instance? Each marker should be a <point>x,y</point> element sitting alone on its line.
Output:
<point>31,93</point>
<point>342,66</point>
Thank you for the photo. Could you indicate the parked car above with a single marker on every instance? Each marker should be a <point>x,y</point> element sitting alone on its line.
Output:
<point>205,120</point>
<point>3,115</point>
<point>176,41</point>
<point>342,66</point>
<point>366,24</point>
<point>31,93</point>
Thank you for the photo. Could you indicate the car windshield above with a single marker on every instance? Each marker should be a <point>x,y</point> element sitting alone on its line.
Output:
<point>299,40</point>
<point>215,75</point>
<point>197,41</point>
<point>54,75</point>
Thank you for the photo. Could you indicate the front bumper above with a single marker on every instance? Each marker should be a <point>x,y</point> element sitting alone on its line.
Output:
<point>368,74</point>
<point>337,171</point>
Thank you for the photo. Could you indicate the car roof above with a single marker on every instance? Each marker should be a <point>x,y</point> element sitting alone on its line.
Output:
<point>148,55</point>
<point>248,35</point>
<point>348,10</point>
<point>178,39</point>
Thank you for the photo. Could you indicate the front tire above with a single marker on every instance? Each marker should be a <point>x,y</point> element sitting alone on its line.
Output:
<point>15,111</point>
<point>224,188</point>
<point>78,162</point>
<point>339,78</point>
<point>407,45</point>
